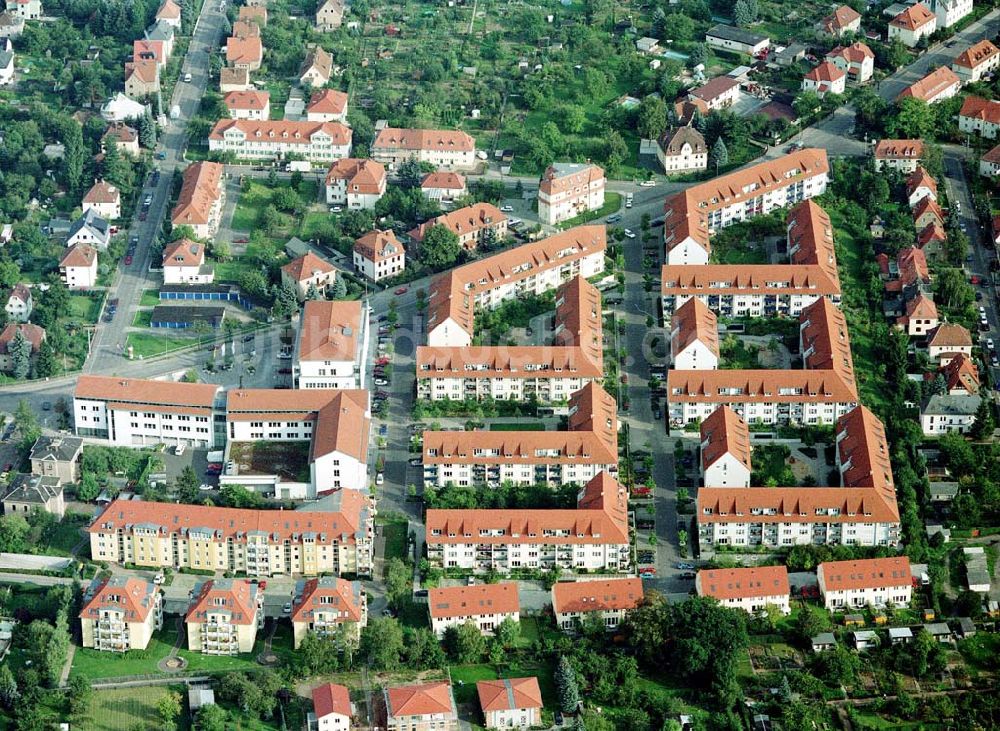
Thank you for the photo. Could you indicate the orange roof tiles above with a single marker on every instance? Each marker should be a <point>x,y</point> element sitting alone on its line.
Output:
<point>826,344</point>
<point>596,596</point>
<point>331,698</point>
<point>560,177</point>
<point>509,694</point>
<point>856,53</point>
<point>463,220</point>
<point>961,373</point>
<point>250,100</point>
<point>976,55</point>
<point>930,233</point>
<point>306,267</point>
<point>693,322</point>
<point>378,245</point>
<point>601,517</point>
<point>914,17</point>
<point>285,131</point>
<point>524,361</point>
<point>200,189</point>
<point>479,599</point>
<point>146,50</point>
<point>932,85</point>
<point>985,110</point>
<point>168,518</point>
<point>330,330</point>
<point>135,598</point>
<point>872,573</point>
<point>948,335</point>
<point>245,29</point>
<point>444,181</point>
<point>364,177</point>
<point>394,138</point>
<point>899,150</point>
<point>578,318</point>
<point>840,19</point>
<point>912,265</point>
<point>236,597</point>
<point>825,71</point>
<point>863,453</point>
<point>147,71</point>
<point>722,433</point>
<point>184,253</point>
<point>248,50</point>
<point>810,240</point>
<point>419,700</point>
<point>763,279</point>
<point>169,10</point>
<point>329,594</point>
<point>922,308</point>
<point>327,101</point>
<point>743,583</point>
<point>79,255</point>
<point>920,178</point>
<point>793,505</point>
<point>759,386</point>
<point>147,393</point>
<point>102,192</point>
<point>928,205</point>
<point>714,88</point>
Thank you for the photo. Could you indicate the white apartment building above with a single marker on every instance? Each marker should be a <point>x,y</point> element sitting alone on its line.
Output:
<point>200,202</point>
<point>332,347</point>
<point>694,337</point>
<point>750,589</point>
<point>329,606</point>
<point>78,267</point>
<point>682,150</point>
<point>442,148</point>
<point>942,413</point>
<point>469,224</point>
<point>577,455</point>
<point>901,155</point>
<point>975,61</point>
<point>133,412</point>
<point>510,702</point>
<point>532,268</point>
<point>725,450</point>
<point>275,139</point>
<point>485,605</point>
<point>569,189</point>
<point>421,707</point>
<point>979,116</point>
<point>611,599</point>
<point>259,543</point>
<point>357,184</point>
<point>120,613</point>
<point>593,537</point>
<point>379,255</point>
<point>875,582</point>
<point>856,60</point>
<point>224,617</point>
<point>331,708</point>
<point>949,12</point>
<point>693,214</point>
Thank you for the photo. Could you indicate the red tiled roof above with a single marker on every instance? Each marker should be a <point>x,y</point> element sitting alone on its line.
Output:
<point>863,452</point>
<point>509,694</point>
<point>722,433</point>
<point>976,54</point>
<point>149,393</point>
<point>743,583</point>
<point>184,253</point>
<point>132,596</point>
<point>419,700</point>
<point>237,597</point>
<point>306,266</point>
<point>102,192</point>
<point>825,71</point>
<point>714,88</point>
<point>914,17</point>
<point>476,600</point>
<point>250,100</point>
<point>200,189</point>
<point>793,505</point>
<point>553,182</point>
<point>899,150</point>
<point>872,573</point>
<point>365,177</point>
<point>920,178</point>
<point>986,110</point>
<point>330,330</point>
<point>932,85</point>
<point>288,132</point>
<point>329,594</point>
<point>79,255</point>
<point>327,101</point>
<point>247,50</point>
<point>378,245</point>
<point>961,372</point>
<point>462,221</point>
<point>444,181</point>
<point>331,698</point>
<point>693,322</point>
<point>948,335</point>
<point>596,596</point>
<point>856,53</point>
<point>394,138</point>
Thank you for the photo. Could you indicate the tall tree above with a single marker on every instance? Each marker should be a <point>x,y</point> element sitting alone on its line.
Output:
<point>75,155</point>
<point>147,130</point>
<point>20,355</point>
<point>985,422</point>
<point>440,248</point>
<point>566,686</point>
<point>382,643</point>
<point>464,643</point>
<point>720,153</point>
<point>652,120</point>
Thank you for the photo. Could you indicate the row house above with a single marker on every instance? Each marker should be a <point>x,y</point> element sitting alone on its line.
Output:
<point>568,190</point>
<point>979,116</point>
<point>548,373</point>
<point>751,589</point>
<point>132,412</point>
<point>901,155</point>
<point>475,458</point>
<point>763,290</point>
<point>329,607</point>
<point>224,616</point>
<point>184,263</point>
<point>861,511</point>
<point>694,337</point>
<point>940,84</point>
<point>875,582</point>
<point>332,347</point>
<point>682,150</point>
<point>856,60</point>
<point>379,255</point>
<point>276,139</point>
<point>327,105</point>
<point>78,267</point>
<point>979,59</point>
<point>533,268</point>
<point>469,224</point>
<point>593,537</point>
<point>725,450</point>
<point>442,148</point>
<point>248,104</point>
<point>259,543</point>
<point>120,613</point>
<point>485,605</point>
<point>355,183</point>
<point>609,599</point>
<point>821,393</point>
<point>912,24</point>
<point>693,214</point>
<point>202,197</point>
<point>335,423</point>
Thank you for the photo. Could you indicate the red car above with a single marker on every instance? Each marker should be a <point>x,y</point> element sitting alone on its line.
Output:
<point>243,240</point>
<point>128,260</point>
<point>382,361</point>
<point>402,290</point>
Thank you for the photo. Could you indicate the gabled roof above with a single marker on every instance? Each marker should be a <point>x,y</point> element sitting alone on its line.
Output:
<point>932,85</point>
<point>933,231</point>
<point>986,110</point>
<point>102,192</point>
<point>244,50</point>
<point>722,433</point>
<point>79,255</point>
<point>840,19</point>
<point>331,698</point>
<point>378,245</point>
<point>672,141</point>
<point>169,10</point>
<point>914,17</point>
<point>235,597</point>
<point>330,330</point>
<point>245,29</point>
<point>928,205</point>
<point>420,700</point>
<point>443,180</point>
<point>287,131</point>
<point>34,334</point>
<point>825,72</point>
<point>872,573</point>
<point>201,187</point>
<point>306,267</point>
<point>714,88</point>
<point>91,221</point>
<point>473,601</point>
<point>124,390</point>
<point>992,156</point>
<point>899,150</point>
<point>135,598</point>
<point>363,177</point>
<point>463,220</point>
<point>562,176</point>
<point>184,253</point>
<point>327,101</point>
<point>976,54</point>
<point>920,178</point>
<point>855,53</point>
<point>912,265</point>
<point>961,373</point>
<point>772,505</point>
<point>694,322</point>
<point>863,454</point>
<point>743,583</point>
<point>317,60</point>
<point>250,100</point>
<point>122,131</point>
<point>826,343</point>
<point>509,694</point>
<point>329,594</point>
<point>949,335</point>
<point>394,138</point>
<point>596,596</point>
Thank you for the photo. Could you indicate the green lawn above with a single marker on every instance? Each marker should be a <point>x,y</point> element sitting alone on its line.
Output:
<point>66,535</point>
<point>124,709</point>
<point>470,674</point>
<point>143,318</point>
<point>93,664</point>
<point>257,194</point>
<point>734,353</point>
<point>84,309</point>
<point>150,297</point>
<point>395,540</point>
<point>612,202</point>
<point>151,344</point>
<point>232,270</point>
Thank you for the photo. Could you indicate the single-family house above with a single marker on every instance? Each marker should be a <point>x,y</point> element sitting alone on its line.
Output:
<point>826,78</point>
<point>975,61</point>
<point>78,266</point>
<point>316,68</point>
<point>912,24</point>
<point>327,105</point>
<point>184,263</point>
<point>443,187</point>
<point>856,60</point>
<point>378,255</point>
<point>844,19</point>
<point>104,199</point>
<point>355,183</point>
<point>58,457</point>
<point>28,493</point>
<point>510,702</point>
<point>682,150</point>
<point>19,303</point>
<point>308,271</point>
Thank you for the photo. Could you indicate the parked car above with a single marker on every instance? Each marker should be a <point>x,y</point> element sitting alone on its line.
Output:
<point>148,200</point>
<point>507,208</point>
<point>629,233</point>
<point>379,478</point>
<point>285,371</point>
<point>204,486</point>
<point>647,183</point>
<point>128,259</point>
<point>381,382</point>
<point>179,449</point>
<point>287,609</point>
<point>401,290</point>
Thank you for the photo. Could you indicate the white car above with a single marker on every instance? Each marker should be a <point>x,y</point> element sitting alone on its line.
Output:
<point>335,209</point>
<point>179,450</point>
<point>287,609</point>
<point>158,579</point>
<point>989,343</point>
<point>204,486</point>
<point>381,382</point>
<point>379,478</point>
<point>647,183</point>
<point>629,233</point>
<point>507,209</point>
<point>628,203</point>
<point>284,356</point>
